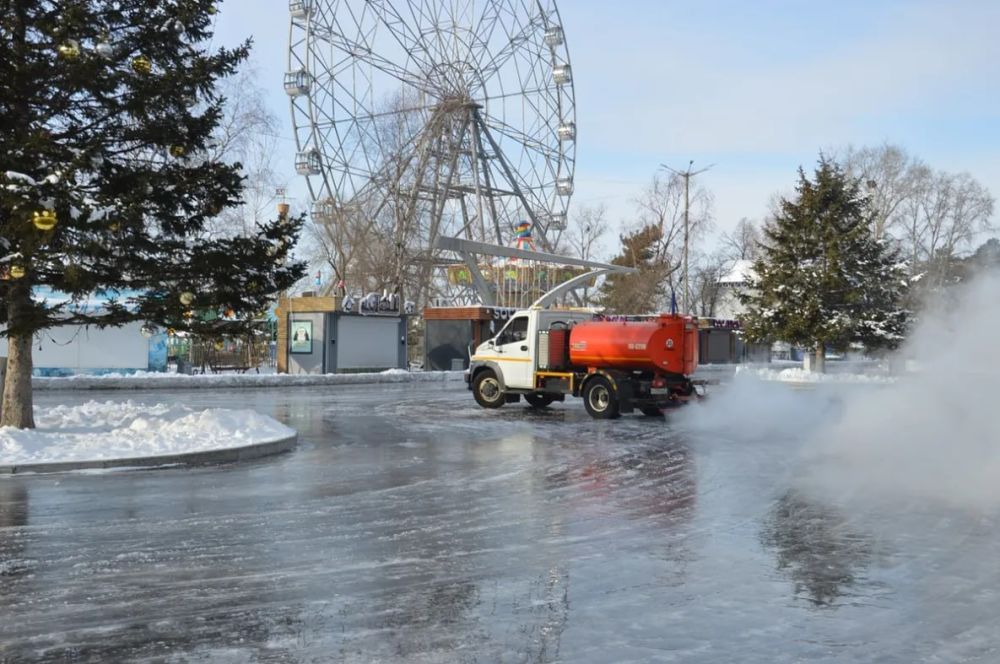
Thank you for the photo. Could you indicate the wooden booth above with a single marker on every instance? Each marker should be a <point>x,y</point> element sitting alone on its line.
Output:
<point>450,333</point>
<point>720,342</point>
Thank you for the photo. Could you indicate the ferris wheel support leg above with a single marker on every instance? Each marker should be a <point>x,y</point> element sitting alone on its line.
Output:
<point>511,179</point>
<point>480,154</point>
<point>438,211</point>
<point>404,224</point>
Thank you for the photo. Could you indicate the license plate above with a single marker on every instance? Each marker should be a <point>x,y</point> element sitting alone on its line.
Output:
<point>659,390</point>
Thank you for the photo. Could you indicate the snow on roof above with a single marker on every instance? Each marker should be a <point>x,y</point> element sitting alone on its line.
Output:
<point>740,273</point>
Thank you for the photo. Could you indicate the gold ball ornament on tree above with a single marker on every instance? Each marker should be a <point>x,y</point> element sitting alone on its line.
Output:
<point>44,220</point>
<point>177,151</point>
<point>141,64</point>
<point>186,298</point>
<point>218,344</point>
<point>212,9</point>
<point>17,272</point>
<point>69,49</point>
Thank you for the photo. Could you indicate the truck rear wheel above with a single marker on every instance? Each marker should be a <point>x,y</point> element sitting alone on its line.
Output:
<point>486,389</point>
<point>538,400</point>
<point>599,398</point>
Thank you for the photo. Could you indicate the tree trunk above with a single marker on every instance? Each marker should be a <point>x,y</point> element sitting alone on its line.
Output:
<point>820,364</point>
<point>18,409</point>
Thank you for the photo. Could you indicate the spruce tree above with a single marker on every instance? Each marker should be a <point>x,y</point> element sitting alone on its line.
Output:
<point>639,292</point>
<point>822,280</point>
<point>108,107</point>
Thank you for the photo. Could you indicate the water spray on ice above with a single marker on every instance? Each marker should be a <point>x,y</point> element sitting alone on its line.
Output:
<point>935,434</point>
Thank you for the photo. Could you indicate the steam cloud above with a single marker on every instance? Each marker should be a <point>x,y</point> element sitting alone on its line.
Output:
<point>934,435</point>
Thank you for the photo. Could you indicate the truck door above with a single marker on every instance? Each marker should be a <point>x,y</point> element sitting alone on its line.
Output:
<point>514,354</point>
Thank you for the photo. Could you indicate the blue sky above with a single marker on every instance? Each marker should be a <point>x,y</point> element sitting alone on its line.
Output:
<point>756,88</point>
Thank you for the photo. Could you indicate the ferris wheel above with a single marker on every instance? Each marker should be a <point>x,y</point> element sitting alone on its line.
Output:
<point>462,110</point>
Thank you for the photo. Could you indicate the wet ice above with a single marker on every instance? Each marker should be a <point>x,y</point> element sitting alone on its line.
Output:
<point>410,525</point>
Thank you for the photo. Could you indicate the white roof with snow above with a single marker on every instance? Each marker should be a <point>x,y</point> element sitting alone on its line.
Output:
<point>740,273</point>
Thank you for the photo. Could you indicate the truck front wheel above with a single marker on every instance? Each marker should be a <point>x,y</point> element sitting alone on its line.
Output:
<point>486,389</point>
<point>599,398</point>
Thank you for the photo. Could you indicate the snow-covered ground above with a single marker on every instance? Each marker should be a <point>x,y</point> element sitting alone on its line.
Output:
<point>799,375</point>
<point>129,430</point>
<point>789,372</point>
<point>144,380</point>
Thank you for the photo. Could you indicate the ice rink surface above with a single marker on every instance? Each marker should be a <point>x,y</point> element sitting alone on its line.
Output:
<point>412,526</point>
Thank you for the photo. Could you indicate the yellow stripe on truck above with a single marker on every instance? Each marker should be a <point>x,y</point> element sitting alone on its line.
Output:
<point>479,358</point>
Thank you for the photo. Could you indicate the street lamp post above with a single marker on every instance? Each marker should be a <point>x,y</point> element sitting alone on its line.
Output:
<point>686,174</point>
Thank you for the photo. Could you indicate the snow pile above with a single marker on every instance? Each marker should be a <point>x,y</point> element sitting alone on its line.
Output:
<point>143,380</point>
<point>799,375</point>
<point>128,430</point>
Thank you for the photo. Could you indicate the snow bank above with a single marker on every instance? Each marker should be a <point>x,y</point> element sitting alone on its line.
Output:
<point>151,381</point>
<point>128,430</point>
<point>799,375</point>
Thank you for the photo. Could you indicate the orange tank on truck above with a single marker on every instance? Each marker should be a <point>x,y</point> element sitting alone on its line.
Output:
<point>615,367</point>
<point>665,344</point>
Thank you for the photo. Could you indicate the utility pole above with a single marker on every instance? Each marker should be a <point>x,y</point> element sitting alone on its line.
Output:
<point>686,174</point>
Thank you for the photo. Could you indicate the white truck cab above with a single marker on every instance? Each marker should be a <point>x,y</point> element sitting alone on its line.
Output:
<point>513,353</point>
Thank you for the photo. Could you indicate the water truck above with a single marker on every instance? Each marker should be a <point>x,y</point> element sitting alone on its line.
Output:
<point>615,366</point>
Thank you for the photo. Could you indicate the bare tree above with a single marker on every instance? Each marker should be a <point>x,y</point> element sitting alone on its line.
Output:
<point>587,227</point>
<point>954,210</point>
<point>891,177</point>
<point>247,134</point>
<point>908,227</point>
<point>348,242</point>
<point>742,242</point>
<point>969,214</point>
<point>582,237</point>
<point>941,219</point>
<point>706,275</point>
<point>933,215</point>
<point>661,206</point>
